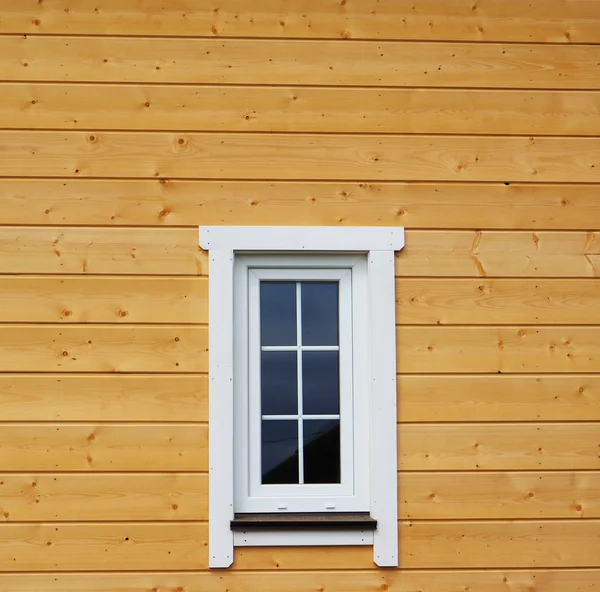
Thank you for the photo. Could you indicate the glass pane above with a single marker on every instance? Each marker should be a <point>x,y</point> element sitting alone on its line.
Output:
<point>321,451</point>
<point>279,451</point>
<point>320,313</point>
<point>278,313</point>
<point>320,382</point>
<point>279,383</point>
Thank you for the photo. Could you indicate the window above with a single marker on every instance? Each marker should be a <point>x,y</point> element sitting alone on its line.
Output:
<point>302,388</point>
<point>300,439</point>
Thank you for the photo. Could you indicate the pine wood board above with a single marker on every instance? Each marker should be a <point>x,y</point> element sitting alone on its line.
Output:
<point>500,301</point>
<point>493,397</point>
<point>102,447</point>
<point>104,397</point>
<point>289,62</point>
<point>94,299</point>
<point>397,580</point>
<point>103,348</point>
<point>297,109</point>
<point>497,349</point>
<point>299,156</point>
<point>545,446</point>
<point>177,546</point>
<point>50,497</point>
<point>539,21</point>
<point>499,495</point>
<point>413,205</point>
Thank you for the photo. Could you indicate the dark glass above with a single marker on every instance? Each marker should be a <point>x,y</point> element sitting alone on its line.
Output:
<point>320,313</point>
<point>320,382</point>
<point>279,383</point>
<point>321,450</point>
<point>279,451</point>
<point>278,313</point>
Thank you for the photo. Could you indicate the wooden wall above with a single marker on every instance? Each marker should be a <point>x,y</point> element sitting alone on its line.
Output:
<point>124,124</point>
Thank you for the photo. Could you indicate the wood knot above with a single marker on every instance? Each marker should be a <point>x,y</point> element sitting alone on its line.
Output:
<point>122,313</point>
<point>181,141</point>
<point>578,507</point>
<point>91,437</point>
<point>65,353</point>
<point>430,347</point>
<point>93,139</point>
<point>147,104</point>
<point>176,339</point>
<point>67,313</point>
<point>105,60</point>
<point>175,507</point>
<point>36,22</point>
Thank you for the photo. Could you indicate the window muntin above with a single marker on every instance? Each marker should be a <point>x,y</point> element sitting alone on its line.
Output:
<point>296,450</point>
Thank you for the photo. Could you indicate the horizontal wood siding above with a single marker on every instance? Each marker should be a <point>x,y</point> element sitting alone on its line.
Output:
<point>124,125</point>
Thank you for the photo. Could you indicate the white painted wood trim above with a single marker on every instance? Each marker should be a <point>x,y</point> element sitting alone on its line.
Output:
<point>293,538</point>
<point>220,428</point>
<point>302,238</point>
<point>384,461</point>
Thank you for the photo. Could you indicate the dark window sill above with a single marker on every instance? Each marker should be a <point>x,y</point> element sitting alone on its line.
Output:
<point>316,521</point>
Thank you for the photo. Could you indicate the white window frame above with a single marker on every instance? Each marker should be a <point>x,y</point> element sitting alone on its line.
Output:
<point>352,495</point>
<point>225,243</point>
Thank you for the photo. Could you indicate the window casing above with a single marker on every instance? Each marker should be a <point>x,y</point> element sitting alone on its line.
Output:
<point>252,420</point>
<point>377,247</point>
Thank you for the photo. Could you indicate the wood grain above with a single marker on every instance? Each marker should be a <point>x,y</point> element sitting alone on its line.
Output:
<point>564,580</point>
<point>104,497</point>
<point>539,21</point>
<point>172,251</point>
<point>440,447</point>
<point>499,254</point>
<point>290,62</point>
<point>103,348</point>
<point>98,299</point>
<point>448,398</point>
<point>413,205</point>
<point>453,544</point>
<point>137,251</point>
<point>72,299</point>
<point>520,495</point>
<point>103,397</point>
<point>50,497</point>
<point>299,156</point>
<point>502,301</point>
<point>94,447</point>
<point>497,349</point>
<point>174,546</point>
<point>421,398</point>
<point>297,109</point>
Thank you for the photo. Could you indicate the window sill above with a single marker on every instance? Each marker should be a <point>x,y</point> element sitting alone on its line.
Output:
<point>315,521</point>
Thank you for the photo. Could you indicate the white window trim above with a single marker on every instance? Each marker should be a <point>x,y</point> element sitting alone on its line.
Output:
<point>379,244</point>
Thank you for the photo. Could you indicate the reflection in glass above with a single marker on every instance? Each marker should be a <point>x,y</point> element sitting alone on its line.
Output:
<point>321,451</point>
<point>279,383</point>
<point>278,313</point>
<point>319,313</point>
<point>279,452</point>
<point>320,382</point>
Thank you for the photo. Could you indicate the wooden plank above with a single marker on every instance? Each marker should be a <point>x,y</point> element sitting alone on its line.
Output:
<point>519,495</point>
<point>497,349</point>
<point>170,251</point>
<point>453,544</point>
<point>540,21</point>
<point>499,254</point>
<point>184,496</point>
<point>84,497</point>
<point>283,62</point>
<point>103,397</point>
<point>299,156</point>
<point>501,301</point>
<point>72,299</point>
<point>268,109</point>
<point>96,447</point>
<point>175,546</point>
<point>426,447</point>
<point>95,546</point>
<point>428,398</point>
<point>421,398</point>
<point>101,251</point>
<point>413,205</point>
<point>564,580</point>
<point>103,348</point>
<point>550,21</point>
